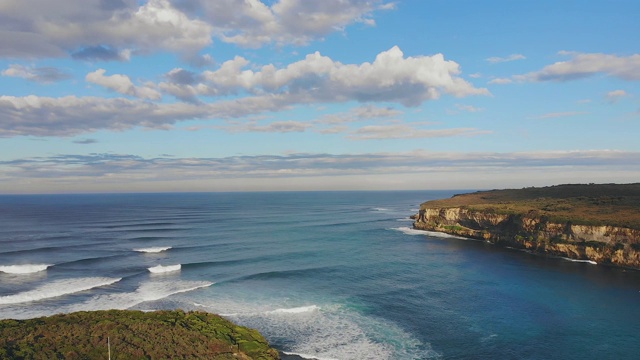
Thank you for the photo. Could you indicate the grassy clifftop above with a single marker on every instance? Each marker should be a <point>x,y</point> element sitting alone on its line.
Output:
<point>133,335</point>
<point>585,204</point>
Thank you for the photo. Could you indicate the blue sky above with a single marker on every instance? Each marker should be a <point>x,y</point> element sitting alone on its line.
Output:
<point>244,95</point>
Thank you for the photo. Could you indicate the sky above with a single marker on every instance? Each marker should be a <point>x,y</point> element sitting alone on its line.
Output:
<point>288,95</point>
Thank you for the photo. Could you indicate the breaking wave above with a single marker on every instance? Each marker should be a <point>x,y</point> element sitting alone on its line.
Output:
<point>164,269</point>
<point>411,231</point>
<point>327,332</point>
<point>580,261</point>
<point>153,249</point>
<point>57,288</point>
<point>24,269</point>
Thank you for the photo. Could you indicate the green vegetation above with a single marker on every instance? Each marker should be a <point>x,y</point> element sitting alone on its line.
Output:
<point>580,204</point>
<point>133,335</point>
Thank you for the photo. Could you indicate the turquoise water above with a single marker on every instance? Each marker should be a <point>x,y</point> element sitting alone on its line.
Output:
<point>331,275</point>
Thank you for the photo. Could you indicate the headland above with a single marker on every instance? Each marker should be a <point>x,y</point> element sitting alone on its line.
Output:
<point>591,222</point>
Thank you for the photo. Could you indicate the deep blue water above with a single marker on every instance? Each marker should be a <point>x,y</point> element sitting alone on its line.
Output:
<point>334,275</point>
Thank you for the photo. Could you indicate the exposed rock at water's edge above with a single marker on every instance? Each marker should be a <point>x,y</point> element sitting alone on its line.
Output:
<point>535,231</point>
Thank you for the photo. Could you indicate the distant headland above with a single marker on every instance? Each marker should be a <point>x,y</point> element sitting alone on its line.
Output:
<point>590,222</point>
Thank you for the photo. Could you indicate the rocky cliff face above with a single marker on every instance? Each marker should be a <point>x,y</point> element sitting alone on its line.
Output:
<point>603,244</point>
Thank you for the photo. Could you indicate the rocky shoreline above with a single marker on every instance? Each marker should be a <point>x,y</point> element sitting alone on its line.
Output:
<point>533,230</point>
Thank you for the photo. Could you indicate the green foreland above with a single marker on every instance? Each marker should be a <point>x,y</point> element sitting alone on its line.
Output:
<point>132,335</point>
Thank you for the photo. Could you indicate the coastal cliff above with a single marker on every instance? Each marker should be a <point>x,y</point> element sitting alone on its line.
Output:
<point>565,220</point>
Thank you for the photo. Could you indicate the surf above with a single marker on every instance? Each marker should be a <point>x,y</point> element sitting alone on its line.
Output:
<point>57,288</point>
<point>153,249</point>
<point>160,269</point>
<point>24,269</point>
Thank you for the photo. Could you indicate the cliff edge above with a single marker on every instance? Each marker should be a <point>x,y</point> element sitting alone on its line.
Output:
<point>594,222</point>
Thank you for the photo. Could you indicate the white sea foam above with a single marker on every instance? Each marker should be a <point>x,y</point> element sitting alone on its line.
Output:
<point>164,269</point>
<point>580,261</point>
<point>411,231</point>
<point>325,332</point>
<point>57,288</point>
<point>153,249</point>
<point>296,310</point>
<point>307,356</point>
<point>148,291</point>
<point>24,269</point>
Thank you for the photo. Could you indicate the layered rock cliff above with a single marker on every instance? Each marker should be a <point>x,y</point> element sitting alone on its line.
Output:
<point>535,231</point>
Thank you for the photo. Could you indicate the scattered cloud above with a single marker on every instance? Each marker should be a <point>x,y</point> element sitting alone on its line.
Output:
<point>126,167</point>
<point>123,85</point>
<point>359,114</point>
<point>512,57</point>
<point>273,127</point>
<point>560,114</point>
<point>500,81</point>
<point>468,108</point>
<point>615,95</point>
<point>85,141</point>
<point>38,74</point>
<point>587,64</point>
<point>406,131</point>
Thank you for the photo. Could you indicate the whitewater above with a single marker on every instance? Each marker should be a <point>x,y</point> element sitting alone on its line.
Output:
<point>326,275</point>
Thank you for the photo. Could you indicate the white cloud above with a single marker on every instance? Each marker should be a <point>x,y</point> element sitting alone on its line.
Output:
<point>615,95</point>
<point>511,57</point>
<point>113,30</point>
<point>390,77</point>
<point>37,74</point>
<point>97,29</point>
<point>584,65</point>
<point>252,23</point>
<point>122,84</point>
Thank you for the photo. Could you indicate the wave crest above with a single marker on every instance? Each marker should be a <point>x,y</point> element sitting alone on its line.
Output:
<point>24,269</point>
<point>57,288</point>
<point>153,249</point>
<point>164,269</point>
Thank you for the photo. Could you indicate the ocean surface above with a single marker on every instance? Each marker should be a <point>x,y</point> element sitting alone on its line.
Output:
<point>330,275</point>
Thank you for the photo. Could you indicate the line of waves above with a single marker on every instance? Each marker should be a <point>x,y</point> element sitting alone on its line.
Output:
<point>24,269</point>
<point>149,291</point>
<point>160,269</point>
<point>57,288</point>
<point>153,249</point>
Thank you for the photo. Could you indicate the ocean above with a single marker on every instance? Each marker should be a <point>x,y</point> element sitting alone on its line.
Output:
<point>326,275</point>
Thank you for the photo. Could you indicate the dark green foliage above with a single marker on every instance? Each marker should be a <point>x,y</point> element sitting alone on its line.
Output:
<point>133,335</point>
